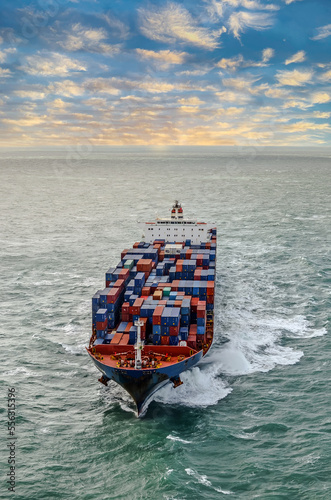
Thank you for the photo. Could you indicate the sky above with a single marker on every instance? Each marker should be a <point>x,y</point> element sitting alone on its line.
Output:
<point>151,72</point>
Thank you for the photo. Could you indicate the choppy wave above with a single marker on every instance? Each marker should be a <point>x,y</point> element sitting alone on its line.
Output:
<point>202,479</point>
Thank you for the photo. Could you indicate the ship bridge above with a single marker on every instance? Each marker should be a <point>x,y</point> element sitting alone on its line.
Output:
<point>177,228</point>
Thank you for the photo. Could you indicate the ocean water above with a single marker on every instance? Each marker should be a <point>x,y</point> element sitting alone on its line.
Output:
<point>252,421</point>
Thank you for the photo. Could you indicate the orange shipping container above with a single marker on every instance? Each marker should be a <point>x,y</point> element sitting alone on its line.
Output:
<point>116,339</point>
<point>124,340</point>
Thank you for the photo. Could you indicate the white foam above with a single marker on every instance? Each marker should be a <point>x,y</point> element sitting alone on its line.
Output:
<point>255,340</point>
<point>297,326</point>
<point>202,479</point>
<point>308,459</point>
<point>88,282</point>
<point>75,349</point>
<point>70,328</point>
<point>176,438</point>
<point>201,388</point>
<point>43,283</point>
<point>20,370</point>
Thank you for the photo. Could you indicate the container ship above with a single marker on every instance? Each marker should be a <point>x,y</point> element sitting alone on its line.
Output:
<point>155,317</point>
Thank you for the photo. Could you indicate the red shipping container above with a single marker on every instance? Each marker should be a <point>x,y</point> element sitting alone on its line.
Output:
<point>174,285</point>
<point>178,303</point>
<point>126,317</point>
<point>146,290</point>
<point>192,341</point>
<point>201,312</point>
<point>119,284</point>
<point>193,329</point>
<point>202,303</point>
<point>108,283</point>
<point>194,303</point>
<point>161,256</point>
<point>165,340</point>
<point>144,265</point>
<point>124,340</point>
<point>136,244</point>
<point>113,295</point>
<point>210,287</point>
<point>144,321</point>
<point>125,307</point>
<point>124,274</point>
<point>173,330</point>
<point>181,294</point>
<point>162,303</point>
<point>199,259</point>
<point>102,325</point>
<point>210,299</point>
<point>197,275</point>
<point>123,254</point>
<point>157,315</point>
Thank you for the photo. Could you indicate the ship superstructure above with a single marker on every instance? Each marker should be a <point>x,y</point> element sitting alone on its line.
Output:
<point>155,318</point>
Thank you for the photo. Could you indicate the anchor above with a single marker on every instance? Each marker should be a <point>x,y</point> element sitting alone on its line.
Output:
<point>103,380</point>
<point>176,381</point>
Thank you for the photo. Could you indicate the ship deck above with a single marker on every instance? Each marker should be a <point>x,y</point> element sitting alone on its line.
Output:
<point>153,357</point>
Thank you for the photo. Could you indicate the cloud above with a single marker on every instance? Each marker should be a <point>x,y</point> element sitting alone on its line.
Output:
<point>114,85</point>
<point>227,96</point>
<point>244,85</point>
<point>296,58</point>
<point>267,54</point>
<point>58,104</point>
<point>215,8</point>
<point>290,1</point>
<point>322,32</point>
<point>320,97</point>
<point>190,101</point>
<point>8,36</point>
<point>87,39</point>
<point>276,93</point>
<point>117,26</point>
<point>46,64</point>
<point>189,109</point>
<point>172,23</point>
<point>240,21</point>
<point>232,63</point>
<point>326,76</point>
<point>303,126</point>
<point>164,58</point>
<point>4,73</point>
<point>251,4</point>
<point>193,72</point>
<point>34,95</point>
<point>296,104</point>
<point>29,121</point>
<point>66,88</point>
<point>294,78</point>
<point>323,115</point>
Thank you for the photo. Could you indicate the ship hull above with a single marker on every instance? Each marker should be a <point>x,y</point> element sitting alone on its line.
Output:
<point>142,384</point>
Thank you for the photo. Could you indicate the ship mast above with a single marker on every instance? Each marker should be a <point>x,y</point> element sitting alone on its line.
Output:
<point>177,211</point>
<point>139,345</point>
